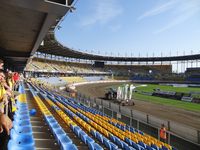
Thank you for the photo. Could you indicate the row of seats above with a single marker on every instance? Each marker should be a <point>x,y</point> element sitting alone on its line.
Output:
<point>83,122</point>
<point>102,134</point>
<point>62,138</point>
<point>123,131</point>
<point>75,128</point>
<point>139,137</point>
<point>110,132</point>
<point>21,135</point>
<point>122,127</point>
<point>95,133</point>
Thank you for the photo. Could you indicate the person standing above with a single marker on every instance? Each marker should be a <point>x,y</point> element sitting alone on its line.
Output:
<point>163,134</point>
<point>5,121</point>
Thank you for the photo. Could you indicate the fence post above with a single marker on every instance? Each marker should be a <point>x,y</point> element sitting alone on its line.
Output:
<point>158,134</point>
<point>131,113</point>
<point>84,101</point>
<point>138,125</point>
<point>168,124</point>
<point>147,119</point>
<point>131,121</point>
<point>112,113</point>
<point>198,136</point>
<point>109,104</point>
<point>95,101</point>
<point>169,136</point>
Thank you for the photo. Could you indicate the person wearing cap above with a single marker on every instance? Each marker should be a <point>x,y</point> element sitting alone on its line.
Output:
<point>163,134</point>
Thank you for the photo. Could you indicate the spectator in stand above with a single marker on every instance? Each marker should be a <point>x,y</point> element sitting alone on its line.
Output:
<point>5,121</point>
<point>15,77</point>
<point>1,64</point>
<point>163,133</point>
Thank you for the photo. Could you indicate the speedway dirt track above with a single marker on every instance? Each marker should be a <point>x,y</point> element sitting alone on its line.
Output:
<point>182,116</point>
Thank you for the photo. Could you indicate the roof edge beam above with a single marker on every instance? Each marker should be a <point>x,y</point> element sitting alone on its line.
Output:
<point>39,5</point>
<point>49,20</point>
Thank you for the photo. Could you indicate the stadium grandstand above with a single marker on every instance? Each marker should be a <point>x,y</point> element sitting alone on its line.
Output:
<point>38,113</point>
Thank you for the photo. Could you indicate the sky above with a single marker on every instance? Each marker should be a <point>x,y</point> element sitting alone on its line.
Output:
<point>133,27</point>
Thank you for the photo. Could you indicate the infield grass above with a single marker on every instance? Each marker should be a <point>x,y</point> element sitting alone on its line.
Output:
<point>167,101</point>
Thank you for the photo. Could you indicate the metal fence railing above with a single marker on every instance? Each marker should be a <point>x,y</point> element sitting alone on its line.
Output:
<point>178,135</point>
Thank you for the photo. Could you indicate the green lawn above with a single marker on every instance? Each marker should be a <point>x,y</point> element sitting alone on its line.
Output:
<point>166,101</point>
<point>150,87</point>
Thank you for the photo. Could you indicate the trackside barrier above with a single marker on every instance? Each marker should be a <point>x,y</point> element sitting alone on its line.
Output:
<point>178,135</point>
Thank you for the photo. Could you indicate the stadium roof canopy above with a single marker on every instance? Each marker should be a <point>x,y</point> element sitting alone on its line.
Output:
<point>53,47</point>
<point>24,24</point>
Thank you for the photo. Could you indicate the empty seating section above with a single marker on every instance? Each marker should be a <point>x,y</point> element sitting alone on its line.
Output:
<point>62,138</point>
<point>124,70</point>
<point>94,78</point>
<point>55,81</point>
<point>21,136</point>
<point>45,65</point>
<point>75,128</point>
<point>91,126</point>
<point>73,79</point>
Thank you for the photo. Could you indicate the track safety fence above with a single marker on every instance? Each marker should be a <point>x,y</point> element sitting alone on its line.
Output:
<point>178,135</point>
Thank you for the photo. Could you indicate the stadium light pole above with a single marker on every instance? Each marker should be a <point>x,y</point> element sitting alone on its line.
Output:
<point>147,57</point>
<point>191,60</point>
<point>177,64</point>
<point>139,57</point>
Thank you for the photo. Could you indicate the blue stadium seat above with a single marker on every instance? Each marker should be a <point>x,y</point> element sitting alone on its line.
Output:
<point>106,142</point>
<point>59,132</point>
<point>21,123</point>
<point>114,147</point>
<point>94,146</point>
<point>64,140</point>
<point>119,142</point>
<point>93,132</point>
<point>89,140</point>
<point>126,147</point>
<point>21,129</point>
<point>135,146</point>
<point>112,137</point>
<point>83,136</point>
<point>51,120</point>
<point>149,148</point>
<point>142,144</point>
<point>15,146</point>
<point>69,146</point>
<point>99,137</point>
<point>54,126</point>
<point>164,148</point>
<point>21,117</point>
<point>72,127</point>
<point>23,139</point>
<point>154,146</point>
<point>77,130</point>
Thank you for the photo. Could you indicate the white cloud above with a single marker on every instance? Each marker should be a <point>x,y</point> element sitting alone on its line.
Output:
<point>185,10</point>
<point>181,11</point>
<point>103,12</point>
<point>159,9</point>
